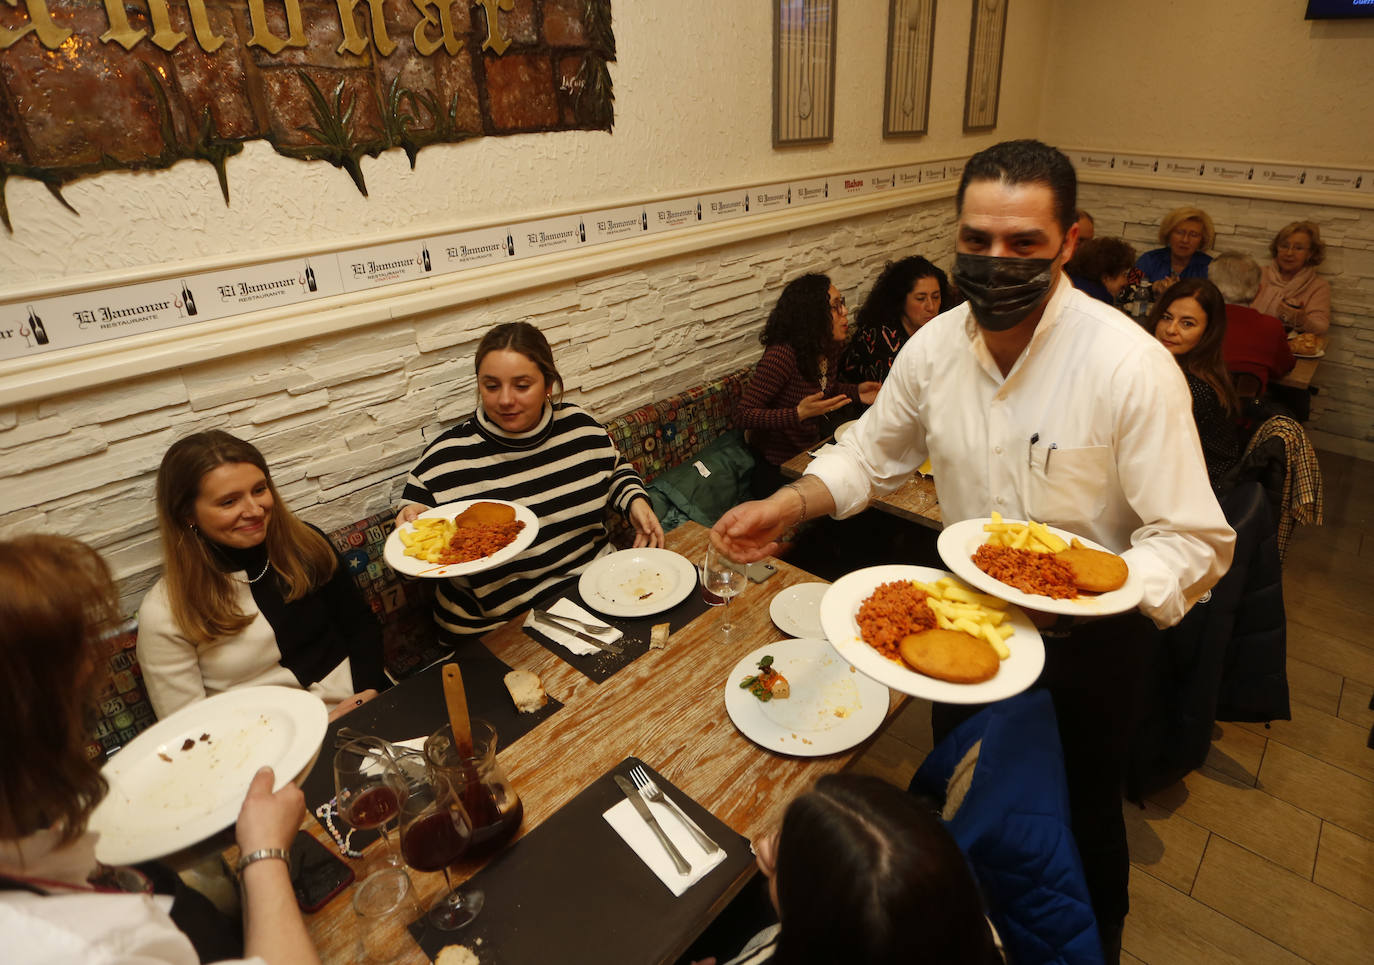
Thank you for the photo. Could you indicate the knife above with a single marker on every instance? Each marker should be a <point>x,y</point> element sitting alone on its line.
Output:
<point>642,807</point>
<point>552,619</point>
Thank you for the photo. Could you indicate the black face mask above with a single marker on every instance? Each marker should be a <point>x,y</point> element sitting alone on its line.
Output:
<point>1001,292</point>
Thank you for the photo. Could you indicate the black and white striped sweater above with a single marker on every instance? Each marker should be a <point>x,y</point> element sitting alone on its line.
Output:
<point>565,470</point>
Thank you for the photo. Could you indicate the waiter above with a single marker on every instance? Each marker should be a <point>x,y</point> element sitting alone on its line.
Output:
<point>1037,401</point>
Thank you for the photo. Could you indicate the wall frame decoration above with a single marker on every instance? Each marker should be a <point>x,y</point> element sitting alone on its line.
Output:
<point>803,71</point>
<point>987,37</point>
<point>910,46</point>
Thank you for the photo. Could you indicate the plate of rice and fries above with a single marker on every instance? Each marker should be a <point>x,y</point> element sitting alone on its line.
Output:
<point>1061,572</point>
<point>983,649</point>
<point>429,546</point>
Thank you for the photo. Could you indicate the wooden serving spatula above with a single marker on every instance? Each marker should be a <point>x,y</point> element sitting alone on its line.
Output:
<point>457,700</point>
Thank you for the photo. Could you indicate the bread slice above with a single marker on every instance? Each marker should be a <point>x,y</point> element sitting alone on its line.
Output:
<point>527,690</point>
<point>457,955</point>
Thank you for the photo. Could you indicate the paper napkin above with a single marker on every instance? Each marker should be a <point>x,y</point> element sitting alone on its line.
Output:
<point>635,832</point>
<point>567,608</point>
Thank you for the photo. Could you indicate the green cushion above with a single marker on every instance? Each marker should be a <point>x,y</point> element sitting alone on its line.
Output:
<point>684,492</point>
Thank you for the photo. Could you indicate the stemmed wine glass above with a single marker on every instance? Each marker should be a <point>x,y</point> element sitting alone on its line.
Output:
<point>726,579</point>
<point>369,789</point>
<point>436,832</point>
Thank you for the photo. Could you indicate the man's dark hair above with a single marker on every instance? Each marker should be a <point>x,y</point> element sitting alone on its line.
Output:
<point>1026,162</point>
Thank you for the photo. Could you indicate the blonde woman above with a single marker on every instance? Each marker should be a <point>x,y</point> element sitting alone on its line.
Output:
<point>1186,234</point>
<point>249,594</point>
<point>1290,287</point>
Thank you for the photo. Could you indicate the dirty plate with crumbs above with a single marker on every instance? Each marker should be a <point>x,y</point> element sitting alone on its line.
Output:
<point>184,778</point>
<point>637,582</point>
<point>831,707</point>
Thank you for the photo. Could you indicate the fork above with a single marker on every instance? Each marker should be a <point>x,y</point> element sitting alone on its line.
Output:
<point>583,624</point>
<point>651,792</point>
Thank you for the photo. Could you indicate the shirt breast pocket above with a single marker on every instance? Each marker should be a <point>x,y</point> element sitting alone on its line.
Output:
<point>1068,487</point>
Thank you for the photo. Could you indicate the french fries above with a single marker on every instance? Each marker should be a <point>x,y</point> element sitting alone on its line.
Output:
<point>428,539</point>
<point>1029,535</point>
<point>956,607</point>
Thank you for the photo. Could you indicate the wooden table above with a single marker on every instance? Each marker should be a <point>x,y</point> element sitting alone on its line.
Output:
<point>664,708</point>
<point>915,500</point>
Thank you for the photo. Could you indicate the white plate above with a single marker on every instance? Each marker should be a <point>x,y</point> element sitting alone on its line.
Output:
<point>637,583</point>
<point>797,610</point>
<point>839,612</point>
<point>395,551</point>
<point>831,708</point>
<point>157,806</point>
<point>959,541</point>
<point>1320,353</point>
<point>843,428</point>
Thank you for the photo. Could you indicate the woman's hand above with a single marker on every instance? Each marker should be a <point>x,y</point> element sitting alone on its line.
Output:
<point>409,513</point>
<point>750,532</point>
<point>868,391</point>
<point>817,404</point>
<point>267,819</point>
<point>1163,285</point>
<point>351,704</point>
<point>648,531</point>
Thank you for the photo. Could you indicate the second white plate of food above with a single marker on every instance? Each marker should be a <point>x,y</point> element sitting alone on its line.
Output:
<point>797,610</point>
<point>637,582</point>
<point>394,552</point>
<point>184,778</point>
<point>839,617</point>
<point>959,541</point>
<point>831,708</point>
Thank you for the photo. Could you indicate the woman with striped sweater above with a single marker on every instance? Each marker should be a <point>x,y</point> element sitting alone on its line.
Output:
<point>550,456</point>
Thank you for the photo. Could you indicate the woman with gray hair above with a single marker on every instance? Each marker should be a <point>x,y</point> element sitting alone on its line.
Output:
<point>1255,343</point>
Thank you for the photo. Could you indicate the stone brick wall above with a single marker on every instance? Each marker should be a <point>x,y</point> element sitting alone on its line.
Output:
<point>1343,410</point>
<point>341,419</point>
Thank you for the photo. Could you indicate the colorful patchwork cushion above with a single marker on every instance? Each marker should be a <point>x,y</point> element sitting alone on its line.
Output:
<point>122,710</point>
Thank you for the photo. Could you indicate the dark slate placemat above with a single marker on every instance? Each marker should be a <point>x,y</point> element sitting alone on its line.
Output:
<point>415,707</point>
<point>573,891</point>
<point>602,665</point>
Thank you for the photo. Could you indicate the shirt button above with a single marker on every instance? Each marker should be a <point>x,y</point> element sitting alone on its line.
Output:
<point>998,450</point>
<point>1000,500</point>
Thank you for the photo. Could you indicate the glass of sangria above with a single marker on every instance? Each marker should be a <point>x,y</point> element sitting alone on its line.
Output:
<point>369,789</point>
<point>435,833</point>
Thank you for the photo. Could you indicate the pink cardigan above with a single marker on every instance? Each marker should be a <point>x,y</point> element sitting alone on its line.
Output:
<point>1306,291</point>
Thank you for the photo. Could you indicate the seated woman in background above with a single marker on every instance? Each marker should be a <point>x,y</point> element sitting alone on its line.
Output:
<point>907,294</point>
<point>1290,287</point>
<point>1099,267</point>
<point>1190,321</point>
<point>249,594</point>
<point>58,601</point>
<point>1185,233</point>
<point>862,873</point>
<point>795,382</point>
<point>1255,342</point>
<point>522,446</point>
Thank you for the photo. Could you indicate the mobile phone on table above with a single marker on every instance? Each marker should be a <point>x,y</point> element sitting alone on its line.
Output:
<point>317,873</point>
<point>758,572</point>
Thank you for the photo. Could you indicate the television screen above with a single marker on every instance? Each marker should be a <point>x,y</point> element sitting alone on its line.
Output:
<point>1339,9</point>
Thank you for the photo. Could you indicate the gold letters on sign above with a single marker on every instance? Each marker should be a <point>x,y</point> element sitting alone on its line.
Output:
<point>433,30</point>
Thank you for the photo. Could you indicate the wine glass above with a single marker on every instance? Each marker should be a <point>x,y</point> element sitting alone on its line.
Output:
<point>436,832</point>
<point>369,789</point>
<point>725,578</point>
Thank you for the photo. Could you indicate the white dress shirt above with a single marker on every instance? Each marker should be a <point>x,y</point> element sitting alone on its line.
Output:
<point>1115,455</point>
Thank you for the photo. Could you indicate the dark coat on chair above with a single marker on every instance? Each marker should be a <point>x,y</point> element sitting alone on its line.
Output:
<point>1224,661</point>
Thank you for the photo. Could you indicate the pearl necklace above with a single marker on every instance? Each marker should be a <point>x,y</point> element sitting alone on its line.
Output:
<point>265,567</point>
<point>325,812</point>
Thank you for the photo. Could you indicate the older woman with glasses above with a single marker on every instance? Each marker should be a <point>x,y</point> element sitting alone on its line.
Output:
<point>1290,287</point>
<point>795,383</point>
<point>1185,233</point>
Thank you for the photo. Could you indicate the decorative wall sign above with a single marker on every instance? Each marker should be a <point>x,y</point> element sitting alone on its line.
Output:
<point>910,45</point>
<point>982,90</point>
<point>87,85</point>
<point>1312,179</point>
<point>35,326</point>
<point>803,71</point>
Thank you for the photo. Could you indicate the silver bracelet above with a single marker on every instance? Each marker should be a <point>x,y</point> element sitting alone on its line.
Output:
<point>262,853</point>
<point>800,495</point>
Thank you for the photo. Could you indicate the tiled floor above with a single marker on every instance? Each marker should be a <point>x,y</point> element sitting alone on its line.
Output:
<point>1266,854</point>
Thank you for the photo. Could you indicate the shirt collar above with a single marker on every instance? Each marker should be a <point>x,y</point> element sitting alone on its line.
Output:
<point>1049,320</point>
<point>528,439</point>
